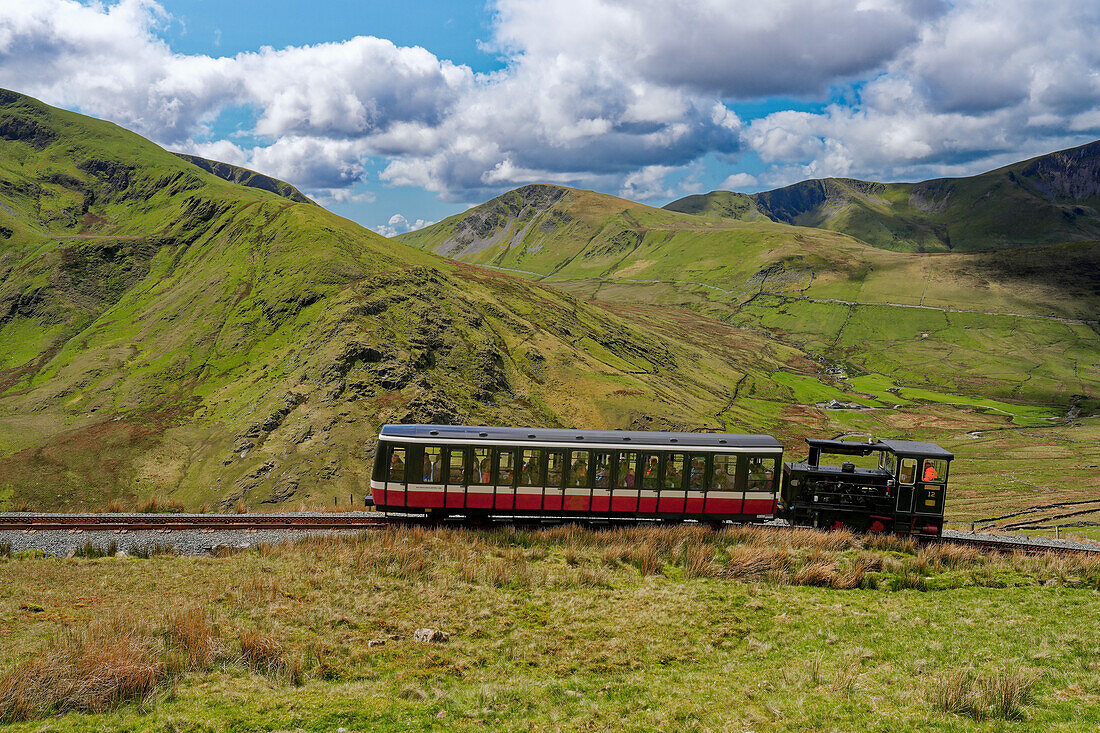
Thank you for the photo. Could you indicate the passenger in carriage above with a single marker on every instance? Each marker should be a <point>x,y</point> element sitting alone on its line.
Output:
<point>628,477</point>
<point>527,473</point>
<point>601,476</point>
<point>758,477</point>
<point>649,479</point>
<point>578,474</point>
<point>431,468</point>
<point>721,480</point>
<point>674,477</point>
<point>397,467</point>
<point>695,476</point>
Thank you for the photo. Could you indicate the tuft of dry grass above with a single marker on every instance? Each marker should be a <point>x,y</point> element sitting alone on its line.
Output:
<point>241,507</point>
<point>93,670</point>
<point>1001,695</point>
<point>262,652</point>
<point>890,543</point>
<point>698,561</point>
<point>114,506</point>
<point>194,636</point>
<point>91,549</point>
<point>155,505</point>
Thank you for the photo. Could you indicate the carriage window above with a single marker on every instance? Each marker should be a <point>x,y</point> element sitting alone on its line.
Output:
<point>456,462</point>
<point>650,474</point>
<point>506,467</point>
<point>698,473</point>
<point>888,462</point>
<point>625,473</point>
<point>397,466</point>
<point>433,464</point>
<point>601,469</point>
<point>674,472</point>
<point>908,470</point>
<point>761,474</point>
<point>578,468</point>
<point>934,470</point>
<point>481,472</point>
<point>555,459</point>
<point>725,472</point>
<point>530,471</point>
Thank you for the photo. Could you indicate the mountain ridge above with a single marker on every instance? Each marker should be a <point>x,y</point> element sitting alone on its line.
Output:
<point>247,177</point>
<point>1048,199</point>
<point>165,331</point>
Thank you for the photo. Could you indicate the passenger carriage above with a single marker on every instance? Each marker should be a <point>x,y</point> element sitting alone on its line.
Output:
<point>440,470</point>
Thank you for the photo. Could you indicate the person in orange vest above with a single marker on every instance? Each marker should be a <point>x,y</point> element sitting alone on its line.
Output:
<point>930,471</point>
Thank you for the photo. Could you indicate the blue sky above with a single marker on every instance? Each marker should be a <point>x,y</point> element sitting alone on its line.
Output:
<point>400,114</point>
<point>452,30</point>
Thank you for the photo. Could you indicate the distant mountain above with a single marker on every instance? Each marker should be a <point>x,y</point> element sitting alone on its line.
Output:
<point>972,323</point>
<point>1050,199</point>
<point>245,177</point>
<point>164,330</point>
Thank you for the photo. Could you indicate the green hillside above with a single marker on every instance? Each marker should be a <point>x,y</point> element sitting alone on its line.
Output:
<point>1051,199</point>
<point>166,331</point>
<point>933,345</point>
<point>246,177</point>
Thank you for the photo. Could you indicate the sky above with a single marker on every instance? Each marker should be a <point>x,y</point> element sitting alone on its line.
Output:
<point>397,115</point>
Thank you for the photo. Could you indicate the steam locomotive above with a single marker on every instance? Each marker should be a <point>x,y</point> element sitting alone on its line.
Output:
<point>439,471</point>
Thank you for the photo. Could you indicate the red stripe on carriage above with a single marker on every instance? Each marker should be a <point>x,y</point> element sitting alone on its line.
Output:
<point>528,502</point>
<point>723,506</point>
<point>621,503</point>
<point>759,506</point>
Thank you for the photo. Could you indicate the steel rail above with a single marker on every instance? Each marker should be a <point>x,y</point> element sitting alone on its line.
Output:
<point>352,521</point>
<point>1025,547</point>
<point>170,522</point>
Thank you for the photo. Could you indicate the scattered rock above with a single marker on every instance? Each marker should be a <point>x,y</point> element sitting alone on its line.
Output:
<point>226,550</point>
<point>376,642</point>
<point>32,607</point>
<point>430,636</point>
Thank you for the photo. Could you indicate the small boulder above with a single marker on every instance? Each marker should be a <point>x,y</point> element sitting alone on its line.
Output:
<point>430,636</point>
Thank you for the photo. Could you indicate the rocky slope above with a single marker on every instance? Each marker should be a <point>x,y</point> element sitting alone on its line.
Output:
<point>166,331</point>
<point>1046,200</point>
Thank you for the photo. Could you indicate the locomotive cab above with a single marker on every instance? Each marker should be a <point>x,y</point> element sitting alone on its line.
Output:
<point>903,494</point>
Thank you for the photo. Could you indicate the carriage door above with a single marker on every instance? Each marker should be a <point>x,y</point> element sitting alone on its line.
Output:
<point>907,476</point>
<point>456,478</point>
<point>395,491</point>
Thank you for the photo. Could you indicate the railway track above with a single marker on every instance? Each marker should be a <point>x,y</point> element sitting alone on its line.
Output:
<point>169,522</point>
<point>370,520</point>
<point>1027,547</point>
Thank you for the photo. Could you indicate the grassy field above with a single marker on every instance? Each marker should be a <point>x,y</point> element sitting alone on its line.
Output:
<point>675,629</point>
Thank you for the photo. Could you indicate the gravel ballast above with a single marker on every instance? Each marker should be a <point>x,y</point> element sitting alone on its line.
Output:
<point>63,542</point>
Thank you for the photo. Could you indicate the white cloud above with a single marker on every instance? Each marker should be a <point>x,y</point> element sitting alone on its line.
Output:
<point>604,94</point>
<point>730,48</point>
<point>739,180</point>
<point>648,183</point>
<point>398,224</point>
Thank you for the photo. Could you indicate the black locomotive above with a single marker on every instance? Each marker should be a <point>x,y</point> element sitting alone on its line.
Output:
<point>904,494</point>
